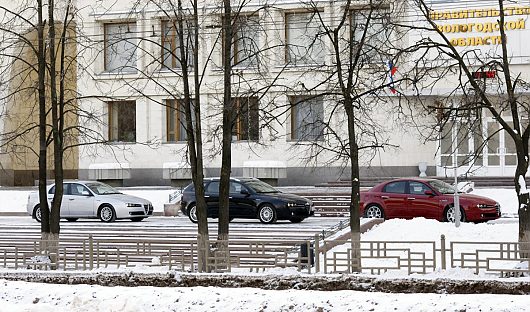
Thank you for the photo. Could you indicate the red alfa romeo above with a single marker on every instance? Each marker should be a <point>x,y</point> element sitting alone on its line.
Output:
<point>428,198</point>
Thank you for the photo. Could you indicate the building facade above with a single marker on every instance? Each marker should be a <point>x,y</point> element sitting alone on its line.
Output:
<point>130,88</point>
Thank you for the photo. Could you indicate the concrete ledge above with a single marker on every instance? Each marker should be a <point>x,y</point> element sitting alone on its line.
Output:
<point>346,236</point>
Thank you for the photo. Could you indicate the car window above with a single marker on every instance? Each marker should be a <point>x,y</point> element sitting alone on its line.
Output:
<point>102,188</point>
<point>260,187</point>
<point>442,187</point>
<point>213,187</point>
<point>78,190</point>
<point>395,187</point>
<point>235,188</point>
<point>52,190</point>
<point>418,188</point>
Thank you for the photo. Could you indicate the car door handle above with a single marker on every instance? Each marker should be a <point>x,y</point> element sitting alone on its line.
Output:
<point>70,198</point>
<point>230,197</point>
<point>206,196</point>
<point>411,198</point>
<point>385,197</point>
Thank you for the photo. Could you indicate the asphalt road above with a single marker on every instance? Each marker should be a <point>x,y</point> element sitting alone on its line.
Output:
<point>172,227</point>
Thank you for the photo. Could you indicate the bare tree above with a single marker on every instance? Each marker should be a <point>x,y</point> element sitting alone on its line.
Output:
<point>356,85</point>
<point>482,81</point>
<point>41,66</point>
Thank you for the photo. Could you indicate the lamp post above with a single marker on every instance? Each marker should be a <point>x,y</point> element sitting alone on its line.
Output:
<point>456,198</point>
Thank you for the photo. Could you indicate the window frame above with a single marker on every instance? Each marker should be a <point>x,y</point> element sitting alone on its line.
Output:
<point>301,61</point>
<point>174,43</point>
<point>239,122</point>
<point>106,48</point>
<point>382,16</point>
<point>179,113</point>
<point>111,115</point>
<point>295,102</point>
<point>252,60</point>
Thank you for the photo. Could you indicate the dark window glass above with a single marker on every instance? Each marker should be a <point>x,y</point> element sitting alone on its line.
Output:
<point>395,187</point>
<point>213,187</point>
<point>418,188</point>
<point>246,124</point>
<point>122,121</point>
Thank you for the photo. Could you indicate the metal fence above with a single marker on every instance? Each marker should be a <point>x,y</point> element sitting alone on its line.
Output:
<point>312,256</point>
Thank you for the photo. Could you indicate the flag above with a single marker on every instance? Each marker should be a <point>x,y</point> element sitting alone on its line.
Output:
<point>393,70</point>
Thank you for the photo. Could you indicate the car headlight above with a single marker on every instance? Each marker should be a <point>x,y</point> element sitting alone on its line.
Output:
<point>291,204</point>
<point>133,205</point>
<point>482,206</point>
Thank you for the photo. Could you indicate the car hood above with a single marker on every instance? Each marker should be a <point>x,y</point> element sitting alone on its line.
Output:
<point>286,196</point>
<point>476,198</point>
<point>126,198</point>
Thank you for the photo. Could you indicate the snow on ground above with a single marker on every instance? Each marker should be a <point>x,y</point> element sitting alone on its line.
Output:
<point>23,296</point>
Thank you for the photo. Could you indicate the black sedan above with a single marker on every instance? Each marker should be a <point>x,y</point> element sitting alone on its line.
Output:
<point>249,198</point>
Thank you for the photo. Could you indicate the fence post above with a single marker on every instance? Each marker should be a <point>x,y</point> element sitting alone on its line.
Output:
<point>442,251</point>
<point>317,253</point>
<point>91,251</point>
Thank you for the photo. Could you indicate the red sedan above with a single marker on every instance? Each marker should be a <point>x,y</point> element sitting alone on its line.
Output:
<point>428,198</point>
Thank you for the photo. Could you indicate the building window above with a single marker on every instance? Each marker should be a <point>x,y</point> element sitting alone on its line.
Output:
<point>176,121</point>
<point>246,125</point>
<point>171,54</point>
<point>304,39</point>
<point>462,141</point>
<point>120,47</point>
<point>122,121</point>
<point>376,33</point>
<point>307,118</point>
<point>246,37</point>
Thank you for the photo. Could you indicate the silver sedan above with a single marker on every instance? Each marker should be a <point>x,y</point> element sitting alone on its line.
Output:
<point>92,199</point>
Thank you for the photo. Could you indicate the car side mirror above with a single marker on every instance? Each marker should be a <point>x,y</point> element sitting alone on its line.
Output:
<point>244,192</point>
<point>85,193</point>
<point>429,192</point>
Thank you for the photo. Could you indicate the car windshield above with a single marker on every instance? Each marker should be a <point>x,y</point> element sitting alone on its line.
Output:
<point>102,188</point>
<point>260,187</point>
<point>442,187</point>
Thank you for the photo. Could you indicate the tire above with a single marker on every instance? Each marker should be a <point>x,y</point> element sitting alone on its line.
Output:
<point>137,219</point>
<point>192,213</point>
<point>37,215</point>
<point>449,215</point>
<point>107,214</point>
<point>71,219</point>
<point>374,211</point>
<point>296,219</point>
<point>267,214</point>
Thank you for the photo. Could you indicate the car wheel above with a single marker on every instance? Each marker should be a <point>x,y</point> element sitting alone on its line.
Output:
<point>192,213</point>
<point>449,214</point>
<point>71,219</point>
<point>107,214</point>
<point>374,211</point>
<point>137,219</point>
<point>296,219</point>
<point>267,214</point>
<point>37,214</point>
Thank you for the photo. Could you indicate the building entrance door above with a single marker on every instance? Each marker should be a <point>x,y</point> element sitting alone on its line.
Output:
<point>501,155</point>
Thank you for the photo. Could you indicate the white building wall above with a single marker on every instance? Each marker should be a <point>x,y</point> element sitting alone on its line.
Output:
<point>152,152</point>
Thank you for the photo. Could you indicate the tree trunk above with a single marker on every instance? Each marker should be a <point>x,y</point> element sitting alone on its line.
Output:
<point>226,157</point>
<point>355,223</point>
<point>193,131</point>
<point>524,206</point>
<point>41,57</point>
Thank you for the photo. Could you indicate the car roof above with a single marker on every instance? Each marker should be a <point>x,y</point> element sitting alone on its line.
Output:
<point>238,179</point>
<point>412,179</point>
